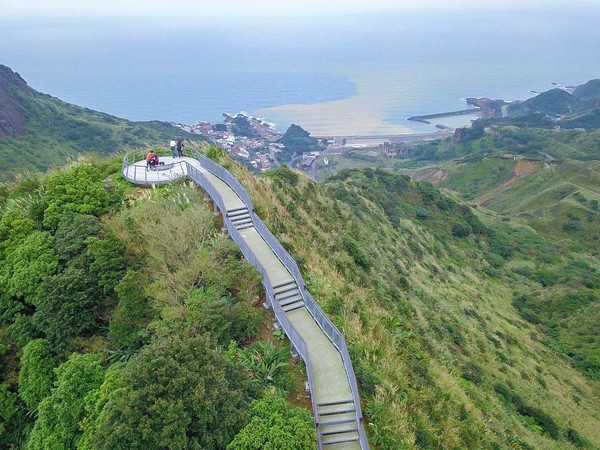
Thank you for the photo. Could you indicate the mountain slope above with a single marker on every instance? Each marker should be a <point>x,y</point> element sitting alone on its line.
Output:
<point>424,290</point>
<point>552,102</point>
<point>38,131</point>
<point>438,303</point>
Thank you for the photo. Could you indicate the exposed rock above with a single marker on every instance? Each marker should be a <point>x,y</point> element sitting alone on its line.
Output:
<point>490,109</point>
<point>11,116</point>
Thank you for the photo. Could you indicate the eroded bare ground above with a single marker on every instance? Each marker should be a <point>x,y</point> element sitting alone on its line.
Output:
<point>431,174</point>
<point>522,168</point>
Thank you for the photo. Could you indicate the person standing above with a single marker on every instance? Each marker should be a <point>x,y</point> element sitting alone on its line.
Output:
<point>180,148</point>
<point>172,144</point>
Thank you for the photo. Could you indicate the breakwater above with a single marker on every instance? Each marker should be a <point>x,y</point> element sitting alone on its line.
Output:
<point>425,118</point>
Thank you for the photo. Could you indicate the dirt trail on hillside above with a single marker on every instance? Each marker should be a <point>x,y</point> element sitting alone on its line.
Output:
<point>522,168</point>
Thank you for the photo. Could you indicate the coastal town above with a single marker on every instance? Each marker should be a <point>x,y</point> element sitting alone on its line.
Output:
<point>248,139</point>
<point>260,146</point>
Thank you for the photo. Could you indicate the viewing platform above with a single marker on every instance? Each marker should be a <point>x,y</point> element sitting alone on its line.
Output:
<point>137,171</point>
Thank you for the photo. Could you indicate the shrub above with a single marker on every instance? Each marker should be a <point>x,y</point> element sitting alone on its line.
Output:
<point>542,419</point>
<point>545,277</point>
<point>574,437</point>
<point>367,379</point>
<point>472,372</point>
<point>460,231</point>
<point>357,253</point>
<point>283,176</point>
<point>422,213</point>
<point>275,425</point>
<point>127,329</point>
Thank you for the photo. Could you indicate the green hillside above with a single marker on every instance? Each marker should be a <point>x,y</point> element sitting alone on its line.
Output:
<point>589,90</point>
<point>429,295</point>
<point>466,331</point>
<point>552,102</point>
<point>38,131</point>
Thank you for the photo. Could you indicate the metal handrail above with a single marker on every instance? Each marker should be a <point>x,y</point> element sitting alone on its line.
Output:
<point>330,330</point>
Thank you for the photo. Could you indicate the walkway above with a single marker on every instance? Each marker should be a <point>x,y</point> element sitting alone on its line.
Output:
<point>334,404</point>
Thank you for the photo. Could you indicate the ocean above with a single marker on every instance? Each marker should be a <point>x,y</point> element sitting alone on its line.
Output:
<point>332,75</point>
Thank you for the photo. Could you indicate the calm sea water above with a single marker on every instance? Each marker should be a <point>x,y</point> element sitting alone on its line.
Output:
<point>362,75</point>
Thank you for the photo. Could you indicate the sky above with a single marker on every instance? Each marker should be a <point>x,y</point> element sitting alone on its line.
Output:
<point>38,9</point>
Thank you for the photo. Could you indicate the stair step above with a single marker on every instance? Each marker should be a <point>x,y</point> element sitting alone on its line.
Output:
<point>250,225</point>
<point>340,439</point>
<point>283,289</point>
<point>237,214</point>
<point>293,306</point>
<point>343,430</point>
<point>233,210</point>
<point>336,408</point>
<point>341,411</point>
<point>240,217</point>
<point>285,283</point>
<point>336,402</point>
<point>337,422</point>
<point>289,301</point>
<point>241,222</point>
<point>287,295</point>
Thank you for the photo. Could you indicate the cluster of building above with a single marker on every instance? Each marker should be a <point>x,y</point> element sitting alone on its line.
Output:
<point>254,143</point>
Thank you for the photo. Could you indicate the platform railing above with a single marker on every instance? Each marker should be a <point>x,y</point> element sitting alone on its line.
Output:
<point>134,166</point>
<point>330,330</point>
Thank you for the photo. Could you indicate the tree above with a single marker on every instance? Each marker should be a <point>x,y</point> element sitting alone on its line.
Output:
<point>37,372</point>
<point>70,239</point>
<point>26,263</point>
<point>12,420</point>
<point>75,191</point>
<point>109,262</point>
<point>127,329</point>
<point>67,306</point>
<point>60,414</point>
<point>275,425</point>
<point>95,401</point>
<point>179,393</point>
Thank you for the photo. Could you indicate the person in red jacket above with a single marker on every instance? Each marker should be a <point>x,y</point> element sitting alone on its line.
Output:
<point>151,160</point>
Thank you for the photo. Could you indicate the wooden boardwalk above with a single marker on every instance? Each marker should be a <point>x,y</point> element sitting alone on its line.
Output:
<point>333,405</point>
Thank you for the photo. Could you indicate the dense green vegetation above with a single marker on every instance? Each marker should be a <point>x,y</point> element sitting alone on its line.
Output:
<point>127,322</point>
<point>38,131</point>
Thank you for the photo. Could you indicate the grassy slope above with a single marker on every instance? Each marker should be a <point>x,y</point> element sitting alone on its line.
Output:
<point>57,131</point>
<point>433,335</point>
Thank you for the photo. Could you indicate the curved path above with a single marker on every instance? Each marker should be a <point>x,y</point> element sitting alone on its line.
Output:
<point>331,380</point>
